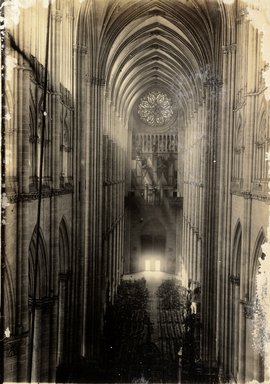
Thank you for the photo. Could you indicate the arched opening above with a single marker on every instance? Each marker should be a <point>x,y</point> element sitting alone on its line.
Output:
<point>258,318</point>
<point>39,302</point>
<point>42,267</point>
<point>9,305</point>
<point>8,319</point>
<point>234,300</point>
<point>63,339</point>
<point>153,244</point>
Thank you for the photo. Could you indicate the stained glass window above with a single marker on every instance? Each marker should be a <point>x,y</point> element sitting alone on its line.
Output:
<point>155,108</point>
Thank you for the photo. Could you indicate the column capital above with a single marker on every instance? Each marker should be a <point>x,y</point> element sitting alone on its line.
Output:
<point>213,83</point>
<point>12,345</point>
<point>45,304</point>
<point>70,16</point>
<point>82,49</point>
<point>229,48</point>
<point>57,16</point>
<point>246,195</point>
<point>98,81</point>
<point>248,309</point>
<point>242,15</point>
<point>235,280</point>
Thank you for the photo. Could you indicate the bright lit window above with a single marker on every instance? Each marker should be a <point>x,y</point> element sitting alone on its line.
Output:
<point>147,265</point>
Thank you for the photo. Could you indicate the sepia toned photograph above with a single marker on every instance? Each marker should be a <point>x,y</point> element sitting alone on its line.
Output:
<point>135,181</point>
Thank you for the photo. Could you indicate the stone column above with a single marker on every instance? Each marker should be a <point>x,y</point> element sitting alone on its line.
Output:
<point>55,125</point>
<point>62,313</point>
<point>224,247</point>
<point>21,119</point>
<point>244,294</point>
<point>209,284</point>
<point>82,231</point>
<point>36,358</point>
<point>252,370</point>
<point>94,185</point>
<point>56,105</point>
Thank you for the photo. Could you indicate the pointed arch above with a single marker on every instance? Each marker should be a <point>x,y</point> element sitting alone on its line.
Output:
<point>238,147</point>
<point>259,355</point>
<point>261,135</point>
<point>64,248</point>
<point>153,245</point>
<point>33,118</point>
<point>9,299</point>
<point>262,126</point>
<point>237,248</point>
<point>34,140</point>
<point>42,266</point>
<point>234,297</point>
<point>238,133</point>
<point>64,313</point>
<point>257,253</point>
<point>10,133</point>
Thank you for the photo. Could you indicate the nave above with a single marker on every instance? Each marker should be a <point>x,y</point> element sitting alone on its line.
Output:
<point>135,137</point>
<point>150,336</point>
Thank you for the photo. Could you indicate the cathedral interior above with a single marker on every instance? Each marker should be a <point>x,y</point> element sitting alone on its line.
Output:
<point>135,197</point>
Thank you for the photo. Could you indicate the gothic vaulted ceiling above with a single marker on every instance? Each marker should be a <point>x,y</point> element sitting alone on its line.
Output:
<point>136,45</point>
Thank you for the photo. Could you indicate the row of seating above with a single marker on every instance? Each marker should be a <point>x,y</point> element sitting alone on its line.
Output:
<point>131,332</point>
<point>135,348</point>
<point>170,326</point>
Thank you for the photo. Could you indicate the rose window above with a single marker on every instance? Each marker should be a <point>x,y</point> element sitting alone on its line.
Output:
<point>155,108</point>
